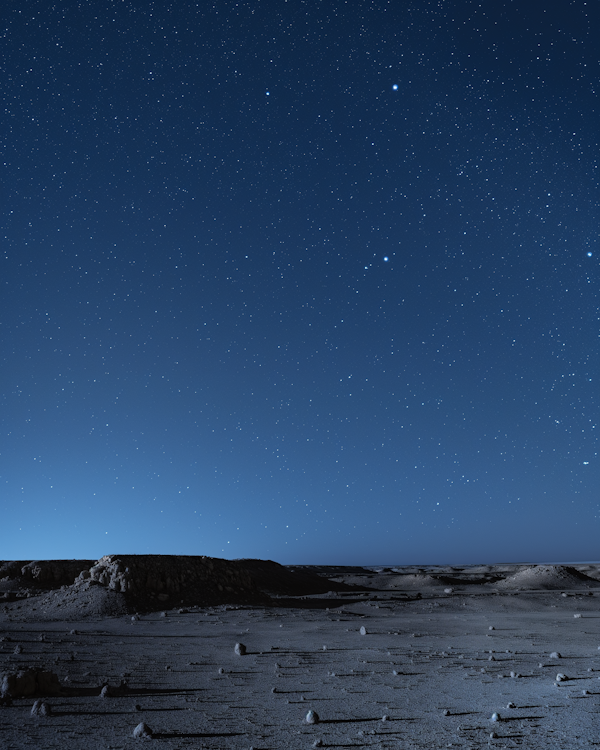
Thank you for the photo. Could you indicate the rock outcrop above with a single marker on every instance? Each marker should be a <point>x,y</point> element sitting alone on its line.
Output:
<point>29,682</point>
<point>147,580</point>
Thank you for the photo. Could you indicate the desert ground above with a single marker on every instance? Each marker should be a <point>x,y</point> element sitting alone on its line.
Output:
<point>197,652</point>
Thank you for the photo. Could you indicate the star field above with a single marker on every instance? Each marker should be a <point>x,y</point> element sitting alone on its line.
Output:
<point>314,282</point>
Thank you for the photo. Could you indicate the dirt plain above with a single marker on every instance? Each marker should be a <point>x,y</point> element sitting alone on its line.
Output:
<point>395,657</point>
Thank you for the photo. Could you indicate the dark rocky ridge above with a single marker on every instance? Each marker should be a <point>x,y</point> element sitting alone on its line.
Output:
<point>116,584</point>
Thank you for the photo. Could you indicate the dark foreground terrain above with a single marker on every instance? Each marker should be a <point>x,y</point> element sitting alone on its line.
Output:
<point>387,658</point>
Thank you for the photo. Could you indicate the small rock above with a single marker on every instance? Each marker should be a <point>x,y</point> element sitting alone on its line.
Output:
<point>385,717</point>
<point>577,616</point>
<point>496,716</point>
<point>240,649</point>
<point>445,712</point>
<point>510,705</point>
<point>106,692</point>
<point>493,736</point>
<point>18,650</point>
<point>363,630</point>
<point>41,708</point>
<point>318,743</point>
<point>142,731</point>
<point>560,677</point>
<point>134,618</point>
<point>491,627</point>
<point>312,717</point>
<point>555,655</point>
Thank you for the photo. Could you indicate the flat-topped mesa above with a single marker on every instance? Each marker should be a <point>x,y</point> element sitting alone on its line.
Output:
<point>148,579</point>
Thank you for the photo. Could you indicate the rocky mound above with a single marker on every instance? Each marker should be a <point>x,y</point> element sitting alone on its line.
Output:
<point>29,682</point>
<point>548,577</point>
<point>38,575</point>
<point>153,580</point>
<point>120,584</point>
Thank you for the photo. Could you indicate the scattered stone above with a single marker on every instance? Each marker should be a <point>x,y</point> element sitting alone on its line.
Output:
<point>18,649</point>
<point>560,677</point>
<point>73,632</point>
<point>446,712</point>
<point>363,630</point>
<point>385,717</point>
<point>41,708</point>
<point>134,618</point>
<point>312,717</point>
<point>163,614</point>
<point>496,716</point>
<point>142,731</point>
<point>585,692</point>
<point>106,692</point>
<point>318,743</point>
<point>577,616</point>
<point>448,591</point>
<point>491,627</point>
<point>240,649</point>
<point>510,705</point>
<point>493,736</point>
<point>555,655</point>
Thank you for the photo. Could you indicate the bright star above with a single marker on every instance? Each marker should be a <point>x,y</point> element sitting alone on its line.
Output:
<point>385,258</point>
<point>395,87</point>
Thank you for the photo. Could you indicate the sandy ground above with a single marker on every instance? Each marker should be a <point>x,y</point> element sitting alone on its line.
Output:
<point>441,651</point>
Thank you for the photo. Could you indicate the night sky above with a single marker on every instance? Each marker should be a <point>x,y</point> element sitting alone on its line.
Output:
<point>309,281</point>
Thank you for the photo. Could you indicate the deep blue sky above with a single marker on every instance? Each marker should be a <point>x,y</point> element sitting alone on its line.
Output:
<point>309,281</point>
